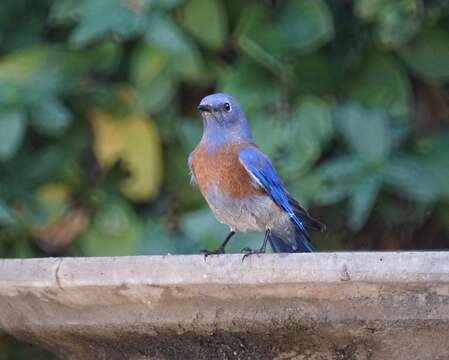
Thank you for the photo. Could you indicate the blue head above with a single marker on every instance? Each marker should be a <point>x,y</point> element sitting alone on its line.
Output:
<point>223,120</point>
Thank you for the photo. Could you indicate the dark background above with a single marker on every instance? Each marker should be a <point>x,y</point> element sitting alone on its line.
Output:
<point>97,117</point>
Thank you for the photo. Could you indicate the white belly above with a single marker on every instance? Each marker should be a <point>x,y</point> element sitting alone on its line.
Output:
<point>256,213</point>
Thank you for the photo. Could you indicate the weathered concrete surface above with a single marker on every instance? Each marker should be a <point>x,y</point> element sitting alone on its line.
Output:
<point>299,306</point>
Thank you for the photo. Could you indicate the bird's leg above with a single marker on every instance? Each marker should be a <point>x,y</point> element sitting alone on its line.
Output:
<point>262,249</point>
<point>221,249</point>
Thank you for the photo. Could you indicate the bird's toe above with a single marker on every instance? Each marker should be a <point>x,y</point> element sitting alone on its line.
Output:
<point>249,252</point>
<point>207,253</point>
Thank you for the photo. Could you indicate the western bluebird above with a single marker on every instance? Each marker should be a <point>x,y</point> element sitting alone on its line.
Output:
<point>241,185</point>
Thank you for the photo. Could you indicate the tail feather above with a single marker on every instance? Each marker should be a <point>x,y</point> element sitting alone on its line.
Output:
<point>295,236</point>
<point>309,222</point>
<point>280,243</point>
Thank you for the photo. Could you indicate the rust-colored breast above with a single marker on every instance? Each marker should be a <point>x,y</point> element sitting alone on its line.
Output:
<point>222,168</point>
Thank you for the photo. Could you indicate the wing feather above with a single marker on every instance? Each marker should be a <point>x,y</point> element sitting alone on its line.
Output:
<point>263,173</point>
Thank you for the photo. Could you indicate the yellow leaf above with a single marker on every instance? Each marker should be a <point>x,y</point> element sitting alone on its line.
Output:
<point>135,141</point>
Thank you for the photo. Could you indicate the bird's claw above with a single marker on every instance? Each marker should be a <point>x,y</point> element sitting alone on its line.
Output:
<point>249,252</point>
<point>207,253</point>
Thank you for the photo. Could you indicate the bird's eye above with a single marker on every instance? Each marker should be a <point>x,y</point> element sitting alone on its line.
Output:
<point>227,107</point>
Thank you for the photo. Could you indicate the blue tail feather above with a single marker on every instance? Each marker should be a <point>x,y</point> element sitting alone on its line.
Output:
<point>281,244</point>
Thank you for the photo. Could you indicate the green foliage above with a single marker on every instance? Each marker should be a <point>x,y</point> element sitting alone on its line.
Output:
<point>370,138</point>
<point>97,116</point>
<point>115,231</point>
<point>207,21</point>
<point>6,215</point>
<point>383,84</point>
<point>12,128</point>
<point>120,18</point>
<point>395,22</point>
<point>306,25</point>
<point>428,54</point>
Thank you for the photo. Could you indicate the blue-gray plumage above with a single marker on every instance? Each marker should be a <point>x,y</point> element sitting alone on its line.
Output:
<point>241,185</point>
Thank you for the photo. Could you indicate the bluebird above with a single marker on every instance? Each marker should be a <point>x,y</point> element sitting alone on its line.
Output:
<point>241,185</point>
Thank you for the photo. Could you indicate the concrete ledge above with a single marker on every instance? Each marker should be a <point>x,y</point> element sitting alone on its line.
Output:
<point>298,306</point>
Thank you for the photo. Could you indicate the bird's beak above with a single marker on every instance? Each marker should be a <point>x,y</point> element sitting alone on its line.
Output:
<point>204,108</point>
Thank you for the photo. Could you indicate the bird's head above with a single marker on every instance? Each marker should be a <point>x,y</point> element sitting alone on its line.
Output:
<point>223,117</point>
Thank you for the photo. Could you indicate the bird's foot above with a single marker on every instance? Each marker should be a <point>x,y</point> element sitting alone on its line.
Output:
<point>249,252</point>
<point>219,251</point>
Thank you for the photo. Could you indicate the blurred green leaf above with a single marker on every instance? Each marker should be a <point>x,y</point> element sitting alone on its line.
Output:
<point>396,22</point>
<point>366,132</point>
<point>105,57</point>
<point>12,130</point>
<point>307,132</point>
<point>337,178</point>
<point>368,9</point>
<point>302,26</point>
<point>332,193</point>
<point>341,168</point>
<point>203,227</point>
<point>147,63</point>
<point>21,65</point>
<point>315,74</point>
<point>306,24</point>
<point>64,11</point>
<point>116,230</point>
<point>51,117</point>
<point>45,164</point>
<point>260,39</point>
<point>278,139</point>
<point>6,215</point>
<point>152,77</point>
<point>163,33</point>
<point>306,189</point>
<point>124,18</point>
<point>33,85</point>
<point>207,21</point>
<point>362,198</point>
<point>252,86</point>
<point>167,4</point>
<point>411,177</point>
<point>436,157</point>
<point>156,240</point>
<point>157,94</point>
<point>428,54</point>
<point>314,119</point>
<point>383,84</point>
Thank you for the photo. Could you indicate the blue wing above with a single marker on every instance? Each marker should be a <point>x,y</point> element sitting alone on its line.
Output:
<point>264,175</point>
